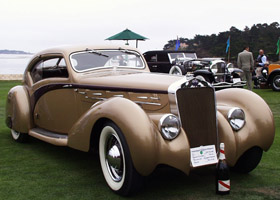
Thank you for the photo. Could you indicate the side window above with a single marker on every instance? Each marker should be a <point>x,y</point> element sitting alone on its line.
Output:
<point>49,68</point>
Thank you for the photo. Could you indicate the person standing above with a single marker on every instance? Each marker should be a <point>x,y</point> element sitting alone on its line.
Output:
<point>245,61</point>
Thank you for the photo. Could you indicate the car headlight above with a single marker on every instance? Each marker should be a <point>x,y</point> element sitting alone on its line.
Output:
<point>169,126</point>
<point>236,118</point>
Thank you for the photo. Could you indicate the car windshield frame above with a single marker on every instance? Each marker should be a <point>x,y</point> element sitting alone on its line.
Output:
<point>181,56</point>
<point>112,55</point>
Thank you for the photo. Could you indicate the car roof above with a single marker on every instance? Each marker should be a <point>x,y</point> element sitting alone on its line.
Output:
<point>68,49</point>
<point>166,51</point>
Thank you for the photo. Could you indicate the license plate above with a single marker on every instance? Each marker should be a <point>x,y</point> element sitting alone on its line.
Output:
<point>235,80</point>
<point>203,155</point>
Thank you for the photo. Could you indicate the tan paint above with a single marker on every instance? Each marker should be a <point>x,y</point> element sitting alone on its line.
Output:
<point>18,108</point>
<point>139,123</point>
<point>147,147</point>
<point>259,129</point>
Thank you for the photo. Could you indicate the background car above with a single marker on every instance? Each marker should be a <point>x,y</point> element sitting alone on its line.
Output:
<point>213,70</point>
<point>270,77</point>
<point>106,99</point>
<point>162,61</point>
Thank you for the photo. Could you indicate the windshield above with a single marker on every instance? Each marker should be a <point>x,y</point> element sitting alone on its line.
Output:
<point>176,55</point>
<point>181,56</point>
<point>190,55</point>
<point>95,59</point>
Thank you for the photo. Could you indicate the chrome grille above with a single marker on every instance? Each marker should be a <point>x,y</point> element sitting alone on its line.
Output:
<point>197,110</point>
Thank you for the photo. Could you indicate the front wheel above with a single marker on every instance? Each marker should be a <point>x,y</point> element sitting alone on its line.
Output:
<point>276,82</point>
<point>176,70</point>
<point>19,137</point>
<point>249,160</point>
<point>116,163</point>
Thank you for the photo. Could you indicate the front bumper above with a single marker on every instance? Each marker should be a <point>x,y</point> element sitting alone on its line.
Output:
<point>223,85</point>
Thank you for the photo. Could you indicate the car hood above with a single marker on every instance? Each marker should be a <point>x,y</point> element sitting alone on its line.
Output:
<point>128,80</point>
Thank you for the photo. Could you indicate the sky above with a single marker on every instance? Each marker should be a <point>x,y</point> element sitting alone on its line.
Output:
<point>34,25</point>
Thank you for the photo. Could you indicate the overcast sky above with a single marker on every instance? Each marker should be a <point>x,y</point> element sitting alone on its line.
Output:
<point>34,25</point>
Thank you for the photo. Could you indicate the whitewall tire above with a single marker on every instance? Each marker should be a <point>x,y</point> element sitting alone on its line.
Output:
<point>116,163</point>
<point>19,137</point>
<point>175,70</point>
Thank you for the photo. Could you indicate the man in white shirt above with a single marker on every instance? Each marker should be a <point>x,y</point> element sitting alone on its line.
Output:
<point>262,59</point>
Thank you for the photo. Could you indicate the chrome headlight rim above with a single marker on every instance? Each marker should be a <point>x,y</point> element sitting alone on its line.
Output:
<point>236,118</point>
<point>163,124</point>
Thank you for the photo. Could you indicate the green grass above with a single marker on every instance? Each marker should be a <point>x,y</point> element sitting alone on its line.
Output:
<point>38,170</point>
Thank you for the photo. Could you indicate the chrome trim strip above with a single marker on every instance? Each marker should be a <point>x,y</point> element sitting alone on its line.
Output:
<point>147,103</point>
<point>98,98</point>
<point>67,86</point>
<point>118,95</point>
<point>154,98</point>
<point>142,97</point>
<point>227,85</point>
<point>97,94</point>
<point>82,93</point>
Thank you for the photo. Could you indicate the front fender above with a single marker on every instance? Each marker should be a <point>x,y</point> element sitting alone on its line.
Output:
<point>259,129</point>
<point>18,115</point>
<point>136,126</point>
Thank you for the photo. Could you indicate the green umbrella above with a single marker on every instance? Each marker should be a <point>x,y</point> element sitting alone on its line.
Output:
<point>127,35</point>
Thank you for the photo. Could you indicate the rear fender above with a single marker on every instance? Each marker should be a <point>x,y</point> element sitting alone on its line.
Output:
<point>18,112</point>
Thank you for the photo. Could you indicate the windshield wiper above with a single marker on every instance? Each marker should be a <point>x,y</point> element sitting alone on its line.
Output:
<point>96,52</point>
<point>128,52</point>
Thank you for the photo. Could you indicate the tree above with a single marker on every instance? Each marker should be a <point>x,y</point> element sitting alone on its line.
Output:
<point>259,36</point>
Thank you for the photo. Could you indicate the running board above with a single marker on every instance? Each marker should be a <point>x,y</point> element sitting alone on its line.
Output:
<point>50,137</point>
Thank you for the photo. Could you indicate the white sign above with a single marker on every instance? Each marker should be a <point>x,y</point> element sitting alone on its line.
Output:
<point>235,80</point>
<point>203,155</point>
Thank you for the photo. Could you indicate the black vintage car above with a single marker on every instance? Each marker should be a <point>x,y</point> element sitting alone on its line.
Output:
<point>162,61</point>
<point>213,70</point>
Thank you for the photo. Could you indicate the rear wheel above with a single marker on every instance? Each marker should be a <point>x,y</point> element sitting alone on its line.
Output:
<point>116,163</point>
<point>276,82</point>
<point>19,137</point>
<point>249,160</point>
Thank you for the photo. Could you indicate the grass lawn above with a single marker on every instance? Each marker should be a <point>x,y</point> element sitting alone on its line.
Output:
<point>37,170</point>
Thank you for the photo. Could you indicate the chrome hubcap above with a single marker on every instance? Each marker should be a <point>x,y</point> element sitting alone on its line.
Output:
<point>276,81</point>
<point>114,158</point>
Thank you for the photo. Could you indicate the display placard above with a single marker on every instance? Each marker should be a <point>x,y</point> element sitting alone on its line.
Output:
<point>203,155</point>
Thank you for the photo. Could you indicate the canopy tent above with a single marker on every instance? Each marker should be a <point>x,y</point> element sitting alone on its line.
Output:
<point>127,35</point>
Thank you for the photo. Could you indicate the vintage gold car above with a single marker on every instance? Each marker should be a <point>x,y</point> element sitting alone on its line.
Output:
<point>105,98</point>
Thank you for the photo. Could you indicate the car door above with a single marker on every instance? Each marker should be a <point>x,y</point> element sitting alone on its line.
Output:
<point>53,101</point>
